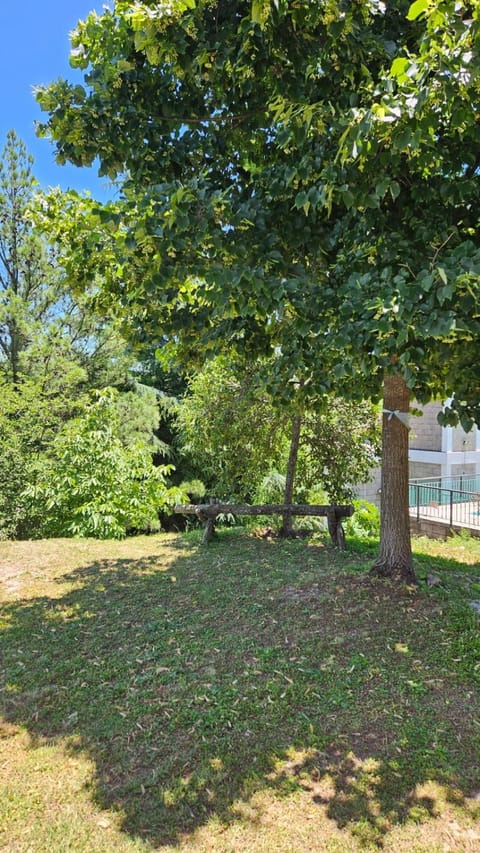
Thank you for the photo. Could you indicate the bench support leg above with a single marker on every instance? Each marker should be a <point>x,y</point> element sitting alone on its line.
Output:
<point>209,530</point>
<point>340,536</point>
<point>336,531</point>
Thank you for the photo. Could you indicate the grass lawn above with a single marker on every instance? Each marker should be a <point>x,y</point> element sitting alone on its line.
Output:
<point>251,695</point>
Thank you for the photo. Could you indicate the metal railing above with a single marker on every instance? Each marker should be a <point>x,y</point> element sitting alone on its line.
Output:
<point>446,505</point>
<point>460,483</point>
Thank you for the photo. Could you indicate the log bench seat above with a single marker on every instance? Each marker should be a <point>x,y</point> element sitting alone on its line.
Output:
<point>208,513</point>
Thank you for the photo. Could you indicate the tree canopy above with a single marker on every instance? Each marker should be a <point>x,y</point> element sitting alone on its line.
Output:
<point>313,162</point>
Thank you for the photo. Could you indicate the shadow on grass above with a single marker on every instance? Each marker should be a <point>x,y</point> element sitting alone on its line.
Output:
<point>195,682</point>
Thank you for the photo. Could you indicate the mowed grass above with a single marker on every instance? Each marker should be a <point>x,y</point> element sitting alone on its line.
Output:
<point>251,695</point>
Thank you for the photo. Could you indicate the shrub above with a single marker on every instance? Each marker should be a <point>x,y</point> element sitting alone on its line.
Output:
<point>271,490</point>
<point>94,484</point>
<point>365,522</point>
<point>194,489</point>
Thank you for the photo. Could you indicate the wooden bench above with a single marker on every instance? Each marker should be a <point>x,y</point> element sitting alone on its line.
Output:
<point>208,513</point>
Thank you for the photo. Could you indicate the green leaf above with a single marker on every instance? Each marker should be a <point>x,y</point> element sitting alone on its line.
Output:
<point>382,187</point>
<point>301,200</point>
<point>348,198</point>
<point>394,189</point>
<point>399,66</point>
<point>417,9</point>
<point>258,7</point>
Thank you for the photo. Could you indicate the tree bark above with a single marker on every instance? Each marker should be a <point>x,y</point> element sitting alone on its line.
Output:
<point>395,556</point>
<point>286,528</point>
<point>15,349</point>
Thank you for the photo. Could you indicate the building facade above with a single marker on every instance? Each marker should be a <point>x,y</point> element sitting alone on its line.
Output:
<point>446,453</point>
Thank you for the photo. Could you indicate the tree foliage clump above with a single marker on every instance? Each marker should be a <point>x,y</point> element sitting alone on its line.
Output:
<point>94,482</point>
<point>240,438</point>
<point>230,430</point>
<point>27,279</point>
<point>31,414</point>
<point>291,175</point>
<point>340,445</point>
<point>365,522</point>
<point>67,465</point>
<point>14,467</point>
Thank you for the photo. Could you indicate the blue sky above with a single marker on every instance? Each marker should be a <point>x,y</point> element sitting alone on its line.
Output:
<point>34,48</point>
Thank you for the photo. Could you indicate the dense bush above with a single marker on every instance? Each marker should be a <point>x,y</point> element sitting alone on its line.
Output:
<point>13,475</point>
<point>30,416</point>
<point>93,483</point>
<point>365,522</point>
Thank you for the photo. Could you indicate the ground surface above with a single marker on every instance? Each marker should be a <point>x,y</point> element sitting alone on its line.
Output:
<point>253,695</point>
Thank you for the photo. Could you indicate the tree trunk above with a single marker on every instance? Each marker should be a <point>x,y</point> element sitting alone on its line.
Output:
<point>15,349</point>
<point>395,557</point>
<point>286,528</point>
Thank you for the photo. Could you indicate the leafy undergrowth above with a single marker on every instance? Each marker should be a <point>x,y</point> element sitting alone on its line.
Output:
<point>250,695</point>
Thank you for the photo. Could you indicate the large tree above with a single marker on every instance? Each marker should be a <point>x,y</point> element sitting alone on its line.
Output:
<point>299,176</point>
<point>27,281</point>
<point>45,333</point>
